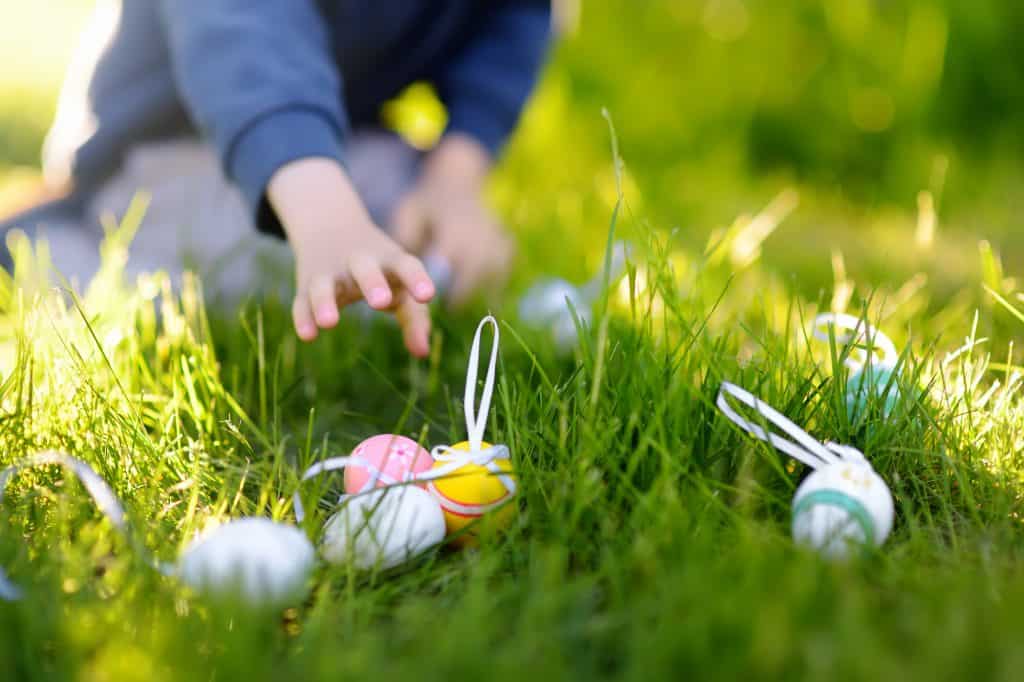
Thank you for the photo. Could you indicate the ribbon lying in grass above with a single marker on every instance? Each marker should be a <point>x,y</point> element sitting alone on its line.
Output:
<point>264,562</point>
<point>842,502</point>
<point>803,447</point>
<point>260,560</point>
<point>101,493</point>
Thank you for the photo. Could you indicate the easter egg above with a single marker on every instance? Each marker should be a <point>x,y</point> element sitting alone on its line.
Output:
<point>546,305</point>
<point>254,560</point>
<point>389,458</point>
<point>840,507</point>
<point>471,491</point>
<point>383,528</point>
<point>874,384</point>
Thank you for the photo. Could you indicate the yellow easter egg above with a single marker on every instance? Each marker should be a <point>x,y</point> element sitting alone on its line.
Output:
<point>471,491</point>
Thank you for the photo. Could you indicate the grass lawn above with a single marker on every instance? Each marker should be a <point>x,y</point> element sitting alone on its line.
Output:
<point>652,537</point>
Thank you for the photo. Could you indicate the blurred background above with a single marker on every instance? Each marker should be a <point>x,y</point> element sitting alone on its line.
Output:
<point>899,126</point>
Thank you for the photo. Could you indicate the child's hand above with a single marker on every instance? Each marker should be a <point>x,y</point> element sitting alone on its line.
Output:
<point>341,257</point>
<point>446,213</point>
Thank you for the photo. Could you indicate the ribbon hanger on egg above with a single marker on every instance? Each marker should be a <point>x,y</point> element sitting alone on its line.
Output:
<point>476,419</point>
<point>864,340</point>
<point>476,422</point>
<point>804,447</point>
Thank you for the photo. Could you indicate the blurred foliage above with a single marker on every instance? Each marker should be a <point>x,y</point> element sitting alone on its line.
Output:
<point>722,104</point>
<point>857,93</point>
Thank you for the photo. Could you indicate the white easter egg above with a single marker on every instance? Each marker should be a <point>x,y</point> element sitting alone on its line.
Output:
<point>261,562</point>
<point>546,305</point>
<point>842,506</point>
<point>384,528</point>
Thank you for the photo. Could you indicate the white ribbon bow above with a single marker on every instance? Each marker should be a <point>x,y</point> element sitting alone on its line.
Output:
<point>803,447</point>
<point>863,338</point>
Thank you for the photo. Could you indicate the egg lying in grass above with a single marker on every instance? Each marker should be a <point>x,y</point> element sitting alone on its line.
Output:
<point>383,528</point>
<point>546,305</point>
<point>841,507</point>
<point>473,490</point>
<point>256,561</point>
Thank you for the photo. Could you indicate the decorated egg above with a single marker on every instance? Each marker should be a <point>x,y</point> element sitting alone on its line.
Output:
<point>872,384</point>
<point>254,560</point>
<point>383,528</point>
<point>546,305</point>
<point>470,490</point>
<point>842,506</point>
<point>384,460</point>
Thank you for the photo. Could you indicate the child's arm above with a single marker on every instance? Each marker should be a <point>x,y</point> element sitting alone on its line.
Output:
<point>259,79</point>
<point>484,88</point>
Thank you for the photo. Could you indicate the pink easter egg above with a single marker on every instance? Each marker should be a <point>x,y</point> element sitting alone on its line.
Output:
<point>391,457</point>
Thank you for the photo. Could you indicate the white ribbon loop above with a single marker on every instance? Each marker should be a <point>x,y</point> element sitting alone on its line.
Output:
<point>864,339</point>
<point>101,493</point>
<point>477,423</point>
<point>805,448</point>
<point>454,459</point>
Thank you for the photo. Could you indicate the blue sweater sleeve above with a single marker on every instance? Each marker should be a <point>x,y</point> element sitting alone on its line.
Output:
<point>259,80</point>
<point>486,84</point>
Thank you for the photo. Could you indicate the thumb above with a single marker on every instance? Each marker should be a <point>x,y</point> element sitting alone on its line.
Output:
<point>409,223</point>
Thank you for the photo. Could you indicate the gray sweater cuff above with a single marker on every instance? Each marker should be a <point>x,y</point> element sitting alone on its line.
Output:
<point>271,141</point>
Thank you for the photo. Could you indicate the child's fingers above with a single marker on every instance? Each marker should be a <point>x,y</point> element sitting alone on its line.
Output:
<point>414,318</point>
<point>302,316</point>
<point>323,302</point>
<point>371,281</point>
<point>414,277</point>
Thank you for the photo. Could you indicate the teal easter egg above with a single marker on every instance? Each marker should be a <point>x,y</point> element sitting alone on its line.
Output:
<point>872,385</point>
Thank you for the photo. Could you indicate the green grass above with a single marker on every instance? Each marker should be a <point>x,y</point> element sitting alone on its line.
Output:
<point>652,537</point>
